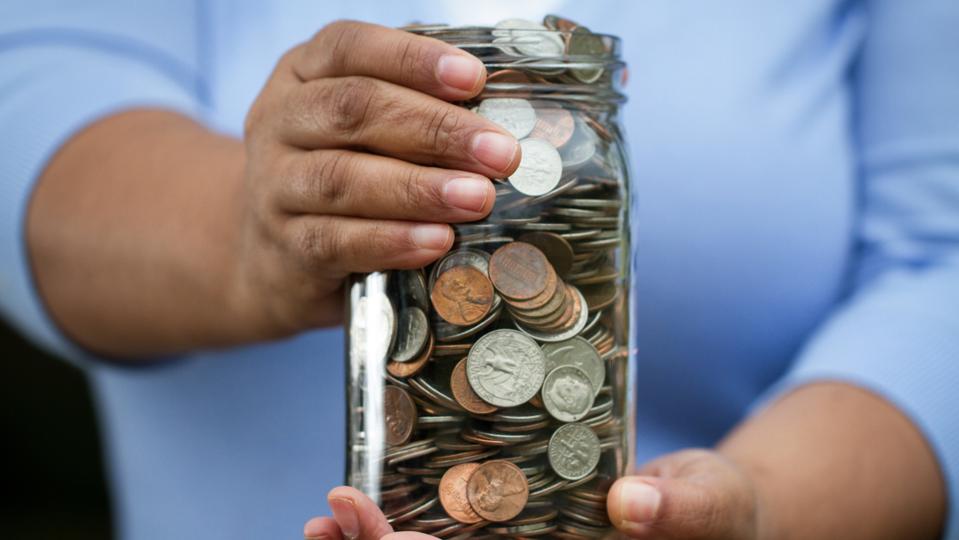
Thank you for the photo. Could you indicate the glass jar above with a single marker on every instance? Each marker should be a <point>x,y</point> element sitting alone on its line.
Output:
<point>490,394</point>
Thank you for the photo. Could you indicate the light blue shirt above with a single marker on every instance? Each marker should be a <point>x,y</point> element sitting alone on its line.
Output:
<point>796,171</point>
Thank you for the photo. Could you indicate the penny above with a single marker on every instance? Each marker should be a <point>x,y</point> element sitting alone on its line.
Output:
<point>514,115</point>
<point>540,167</point>
<point>518,270</point>
<point>556,248</point>
<point>399,414</point>
<point>567,393</point>
<point>573,451</point>
<point>464,394</point>
<point>505,368</point>
<point>497,490</point>
<point>462,295</point>
<point>555,125</point>
<point>580,353</point>
<point>453,496</point>
<point>408,369</point>
<point>476,258</point>
<point>412,334</point>
<point>507,76</point>
<point>600,296</point>
<point>576,325</point>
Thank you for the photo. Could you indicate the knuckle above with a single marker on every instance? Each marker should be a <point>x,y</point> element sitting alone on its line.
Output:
<point>329,178</point>
<point>443,129</point>
<point>418,192</point>
<point>350,106</point>
<point>414,58</point>
<point>337,39</point>
<point>319,242</point>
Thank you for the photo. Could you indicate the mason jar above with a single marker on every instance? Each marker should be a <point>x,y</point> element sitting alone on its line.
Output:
<point>490,393</point>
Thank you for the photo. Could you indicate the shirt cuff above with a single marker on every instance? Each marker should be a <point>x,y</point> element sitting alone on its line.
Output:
<point>49,94</point>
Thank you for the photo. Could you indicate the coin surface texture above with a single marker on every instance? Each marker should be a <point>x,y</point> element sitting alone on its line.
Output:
<point>519,270</point>
<point>462,295</point>
<point>505,368</point>
<point>573,451</point>
<point>463,393</point>
<point>399,413</point>
<point>498,490</point>
<point>556,248</point>
<point>512,114</point>
<point>567,393</point>
<point>540,168</point>
<point>453,496</point>
<point>580,353</point>
<point>412,333</point>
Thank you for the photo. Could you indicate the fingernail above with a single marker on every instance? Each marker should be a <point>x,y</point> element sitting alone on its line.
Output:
<point>467,193</point>
<point>344,512</point>
<point>313,530</point>
<point>639,501</point>
<point>459,71</point>
<point>431,237</point>
<point>495,150</point>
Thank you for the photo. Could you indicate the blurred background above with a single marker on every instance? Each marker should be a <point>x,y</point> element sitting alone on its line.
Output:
<point>52,478</point>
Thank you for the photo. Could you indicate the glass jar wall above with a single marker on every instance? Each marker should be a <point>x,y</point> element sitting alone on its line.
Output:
<point>490,394</point>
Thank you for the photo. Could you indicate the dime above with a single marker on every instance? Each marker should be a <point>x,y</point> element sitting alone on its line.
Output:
<point>400,415</point>
<point>412,334</point>
<point>555,247</point>
<point>540,167</point>
<point>462,295</point>
<point>567,393</point>
<point>497,490</point>
<point>573,451</point>
<point>519,270</point>
<point>514,115</point>
<point>453,496</point>
<point>580,353</point>
<point>555,125</point>
<point>372,328</point>
<point>464,394</point>
<point>505,368</point>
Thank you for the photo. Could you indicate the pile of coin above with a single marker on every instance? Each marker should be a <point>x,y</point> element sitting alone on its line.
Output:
<point>503,402</point>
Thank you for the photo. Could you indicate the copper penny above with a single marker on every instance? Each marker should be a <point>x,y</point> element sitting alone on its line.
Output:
<point>558,251</point>
<point>453,496</point>
<point>555,125</point>
<point>498,490</point>
<point>541,299</point>
<point>518,270</point>
<point>399,413</point>
<point>464,393</point>
<point>462,295</point>
<point>408,369</point>
<point>511,76</point>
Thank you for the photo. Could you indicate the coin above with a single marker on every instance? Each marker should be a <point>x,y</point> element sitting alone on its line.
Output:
<point>514,115</point>
<point>412,334</point>
<point>573,451</point>
<point>464,394</point>
<point>580,353</point>
<point>372,328</point>
<point>408,369</point>
<point>453,496</point>
<point>555,247</point>
<point>476,258</point>
<point>581,148</point>
<point>519,270</point>
<point>540,167</point>
<point>527,38</point>
<point>505,368</point>
<point>497,490</point>
<point>555,125</point>
<point>462,295</point>
<point>585,44</point>
<point>399,414</point>
<point>567,393</point>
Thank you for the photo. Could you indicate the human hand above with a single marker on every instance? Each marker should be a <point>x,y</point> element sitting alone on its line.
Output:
<point>688,494</point>
<point>356,162</point>
<point>355,517</point>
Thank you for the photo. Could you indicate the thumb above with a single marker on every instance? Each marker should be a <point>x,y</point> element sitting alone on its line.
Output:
<point>649,507</point>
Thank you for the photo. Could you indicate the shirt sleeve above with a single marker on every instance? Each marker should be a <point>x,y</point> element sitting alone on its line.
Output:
<point>897,333</point>
<point>65,65</point>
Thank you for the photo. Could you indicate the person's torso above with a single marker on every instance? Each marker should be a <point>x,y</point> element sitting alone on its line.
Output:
<point>743,180</point>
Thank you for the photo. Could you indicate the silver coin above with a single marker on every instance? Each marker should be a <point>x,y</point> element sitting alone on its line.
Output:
<point>583,43</point>
<point>527,38</point>
<point>583,146</point>
<point>412,284</point>
<point>562,336</point>
<point>372,328</point>
<point>512,114</point>
<point>567,393</point>
<point>580,353</point>
<point>573,451</point>
<point>412,334</point>
<point>540,168</point>
<point>505,368</point>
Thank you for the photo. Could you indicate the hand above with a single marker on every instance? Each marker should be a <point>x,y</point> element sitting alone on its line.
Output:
<point>356,162</point>
<point>355,517</point>
<point>688,494</point>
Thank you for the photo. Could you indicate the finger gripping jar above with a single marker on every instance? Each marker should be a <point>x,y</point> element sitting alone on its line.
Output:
<point>490,393</point>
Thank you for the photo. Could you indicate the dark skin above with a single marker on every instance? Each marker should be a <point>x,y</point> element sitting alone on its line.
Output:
<point>150,235</point>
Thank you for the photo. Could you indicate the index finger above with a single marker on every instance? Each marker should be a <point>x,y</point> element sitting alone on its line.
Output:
<point>349,48</point>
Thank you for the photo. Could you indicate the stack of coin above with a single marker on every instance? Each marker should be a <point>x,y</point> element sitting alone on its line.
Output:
<point>488,391</point>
